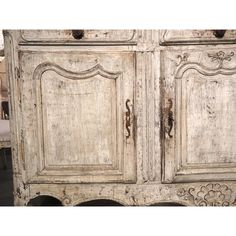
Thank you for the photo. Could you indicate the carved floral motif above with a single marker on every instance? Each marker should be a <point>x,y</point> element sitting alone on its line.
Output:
<point>182,59</point>
<point>220,57</point>
<point>208,195</point>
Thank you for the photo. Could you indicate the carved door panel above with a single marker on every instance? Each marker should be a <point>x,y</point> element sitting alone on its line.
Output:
<point>78,116</point>
<point>199,110</point>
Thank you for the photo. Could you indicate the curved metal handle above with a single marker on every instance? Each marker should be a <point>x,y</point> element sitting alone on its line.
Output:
<point>128,118</point>
<point>78,34</point>
<point>169,118</point>
<point>219,33</point>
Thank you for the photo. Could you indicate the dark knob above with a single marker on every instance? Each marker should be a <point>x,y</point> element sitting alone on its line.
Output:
<point>219,33</point>
<point>78,34</point>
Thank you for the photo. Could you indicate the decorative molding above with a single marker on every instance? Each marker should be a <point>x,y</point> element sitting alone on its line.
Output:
<point>96,70</point>
<point>208,195</point>
<point>203,70</point>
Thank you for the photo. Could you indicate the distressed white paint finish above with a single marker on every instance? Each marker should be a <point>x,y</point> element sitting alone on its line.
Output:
<point>211,101</point>
<point>203,95</point>
<point>69,116</point>
<point>183,37</point>
<point>78,121</point>
<point>79,105</point>
<point>88,36</point>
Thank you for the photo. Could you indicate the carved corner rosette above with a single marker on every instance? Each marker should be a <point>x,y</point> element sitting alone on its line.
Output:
<point>214,194</point>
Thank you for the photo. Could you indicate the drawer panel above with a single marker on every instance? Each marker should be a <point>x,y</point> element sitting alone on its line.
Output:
<point>175,37</point>
<point>78,36</point>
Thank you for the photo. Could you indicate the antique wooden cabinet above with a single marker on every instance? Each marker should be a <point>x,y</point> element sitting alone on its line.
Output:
<point>140,117</point>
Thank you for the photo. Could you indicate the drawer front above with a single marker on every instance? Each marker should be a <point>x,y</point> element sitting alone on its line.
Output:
<point>78,116</point>
<point>199,109</point>
<point>78,36</point>
<point>176,37</point>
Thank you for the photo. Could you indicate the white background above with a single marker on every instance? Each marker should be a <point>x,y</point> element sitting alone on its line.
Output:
<point>122,221</point>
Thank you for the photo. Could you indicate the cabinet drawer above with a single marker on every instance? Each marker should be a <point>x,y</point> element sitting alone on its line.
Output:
<point>182,37</point>
<point>78,113</point>
<point>78,36</point>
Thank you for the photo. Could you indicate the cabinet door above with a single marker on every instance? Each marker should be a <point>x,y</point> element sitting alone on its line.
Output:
<point>199,110</point>
<point>77,110</point>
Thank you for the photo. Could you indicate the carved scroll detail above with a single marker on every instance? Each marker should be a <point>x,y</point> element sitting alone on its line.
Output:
<point>66,199</point>
<point>182,59</point>
<point>208,195</point>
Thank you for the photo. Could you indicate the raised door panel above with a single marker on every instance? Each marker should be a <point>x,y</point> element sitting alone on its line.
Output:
<point>95,100</point>
<point>199,109</point>
<point>79,109</point>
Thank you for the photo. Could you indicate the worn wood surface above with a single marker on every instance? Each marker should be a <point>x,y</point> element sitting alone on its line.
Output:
<point>120,115</point>
<point>188,37</point>
<point>89,37</point>
<point>79,103</point>
<point>202,89</point>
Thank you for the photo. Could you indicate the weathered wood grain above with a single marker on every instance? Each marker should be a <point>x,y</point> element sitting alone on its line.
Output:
<point>203,92</point>
<point>188,37</point>
<point>139,117</point>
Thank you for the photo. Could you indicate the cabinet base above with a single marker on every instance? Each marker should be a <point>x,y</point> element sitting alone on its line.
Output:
<point>197,194</point>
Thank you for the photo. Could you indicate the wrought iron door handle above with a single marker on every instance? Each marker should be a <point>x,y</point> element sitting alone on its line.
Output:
<point>128,118</point>
<point>170,118</point>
